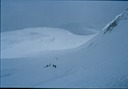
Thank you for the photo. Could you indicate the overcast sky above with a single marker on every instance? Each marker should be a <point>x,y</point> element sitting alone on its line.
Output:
<point>19,14</point>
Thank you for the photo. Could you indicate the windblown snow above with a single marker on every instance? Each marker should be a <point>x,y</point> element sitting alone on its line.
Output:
<point>73,61</point>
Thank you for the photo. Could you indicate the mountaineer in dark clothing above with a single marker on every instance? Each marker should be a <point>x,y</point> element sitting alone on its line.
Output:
<point>54,66</point>
<point>50,65</point>
<point>46,66</point>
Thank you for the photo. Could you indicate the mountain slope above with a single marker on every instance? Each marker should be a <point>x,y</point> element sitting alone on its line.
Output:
<point>100,63</point>
<point>31,40</point>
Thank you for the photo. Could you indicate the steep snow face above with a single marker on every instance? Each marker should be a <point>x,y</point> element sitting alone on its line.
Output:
<point>21,42</point>
<point>109,27</point>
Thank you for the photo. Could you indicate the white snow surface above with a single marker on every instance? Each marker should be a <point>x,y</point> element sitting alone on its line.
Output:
<point>100,62</point>
<point>22,42</point>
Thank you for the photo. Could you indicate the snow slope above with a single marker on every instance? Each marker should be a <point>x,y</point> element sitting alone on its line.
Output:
<point>99,63</point>
<point>29,40</point>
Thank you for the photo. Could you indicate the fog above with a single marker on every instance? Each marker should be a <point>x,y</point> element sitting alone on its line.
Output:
<point>19,14</point>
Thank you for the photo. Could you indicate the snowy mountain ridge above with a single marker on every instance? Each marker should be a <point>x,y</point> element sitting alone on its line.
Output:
<point>114,22</point>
